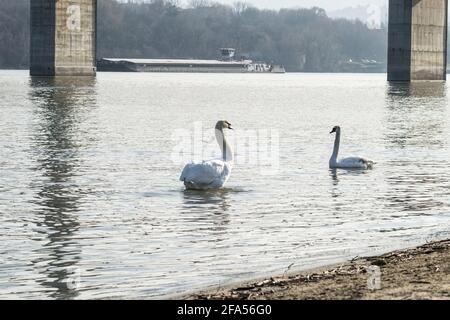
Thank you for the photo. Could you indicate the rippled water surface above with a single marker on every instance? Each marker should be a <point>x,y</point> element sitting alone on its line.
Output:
<point>91,206</point>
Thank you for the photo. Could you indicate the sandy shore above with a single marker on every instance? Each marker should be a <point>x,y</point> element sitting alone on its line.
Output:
<point>419,273</point>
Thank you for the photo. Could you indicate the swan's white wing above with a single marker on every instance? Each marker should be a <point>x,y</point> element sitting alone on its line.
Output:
<point>206,174</point>
<point>202,173</point>
<point>355,162</point>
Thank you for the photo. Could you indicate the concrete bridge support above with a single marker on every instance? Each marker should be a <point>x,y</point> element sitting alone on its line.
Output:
<point>417,48</point>
<point>63,37</point>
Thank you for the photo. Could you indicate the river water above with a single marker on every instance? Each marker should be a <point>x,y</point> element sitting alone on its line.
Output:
<point>91,206</point>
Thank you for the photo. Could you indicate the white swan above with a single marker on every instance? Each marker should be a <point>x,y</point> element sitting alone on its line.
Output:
<point>347,163</point>
<point>211,174</point>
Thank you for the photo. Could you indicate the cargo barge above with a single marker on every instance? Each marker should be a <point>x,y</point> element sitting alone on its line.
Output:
<point>226,64</point>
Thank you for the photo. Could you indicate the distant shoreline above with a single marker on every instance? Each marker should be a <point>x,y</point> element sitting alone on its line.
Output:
<point>419,273</point>
<point>324,72</point>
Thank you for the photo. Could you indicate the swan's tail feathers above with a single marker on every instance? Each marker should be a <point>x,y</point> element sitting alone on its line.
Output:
<point>184,174</point>
<point>190,185</point>
<point>368,163</point>
<point>186,179</point>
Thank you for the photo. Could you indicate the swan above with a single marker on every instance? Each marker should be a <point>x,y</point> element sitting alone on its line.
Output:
<point>212,174</point>
<point>347,163</point>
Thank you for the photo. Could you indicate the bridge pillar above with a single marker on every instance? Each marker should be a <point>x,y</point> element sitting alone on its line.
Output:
<point>417,48</point>
<point>63,37</point>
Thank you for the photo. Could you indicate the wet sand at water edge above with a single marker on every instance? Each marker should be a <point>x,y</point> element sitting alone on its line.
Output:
<point>418,273</point>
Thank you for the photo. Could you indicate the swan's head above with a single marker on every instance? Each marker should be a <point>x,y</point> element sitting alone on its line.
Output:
<point>336,129</point>
<point>223,125</point>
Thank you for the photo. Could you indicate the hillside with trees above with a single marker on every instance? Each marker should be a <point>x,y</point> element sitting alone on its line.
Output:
<point>300,39</point>
<point>14,34</point>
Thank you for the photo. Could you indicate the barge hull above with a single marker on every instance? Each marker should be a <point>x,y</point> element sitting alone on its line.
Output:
<point>185,66</point>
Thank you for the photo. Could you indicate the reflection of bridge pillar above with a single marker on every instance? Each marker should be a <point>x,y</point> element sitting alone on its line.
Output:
<point>63,37</point>
<point>417,40</point>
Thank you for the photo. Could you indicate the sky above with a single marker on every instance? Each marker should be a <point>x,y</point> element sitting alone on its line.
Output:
<point>328,5</point>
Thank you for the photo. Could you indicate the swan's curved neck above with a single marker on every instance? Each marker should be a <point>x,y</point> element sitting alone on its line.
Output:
<point>227,151</point>
<point>337,142</point>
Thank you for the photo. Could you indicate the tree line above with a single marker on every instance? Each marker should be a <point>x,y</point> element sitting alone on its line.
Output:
<point>300,39</point>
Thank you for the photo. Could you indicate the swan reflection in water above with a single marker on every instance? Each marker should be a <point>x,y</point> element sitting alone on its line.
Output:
<point>338,174</point>
<point>207,209</point>
<point>334,177</point>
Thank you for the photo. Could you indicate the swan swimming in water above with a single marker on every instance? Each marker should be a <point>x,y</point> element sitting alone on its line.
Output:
<point>347,163</point>
<point>211,174</point>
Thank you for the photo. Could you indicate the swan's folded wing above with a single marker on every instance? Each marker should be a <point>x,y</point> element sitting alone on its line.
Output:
<point>356,161</point>
<point>203,173</point>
